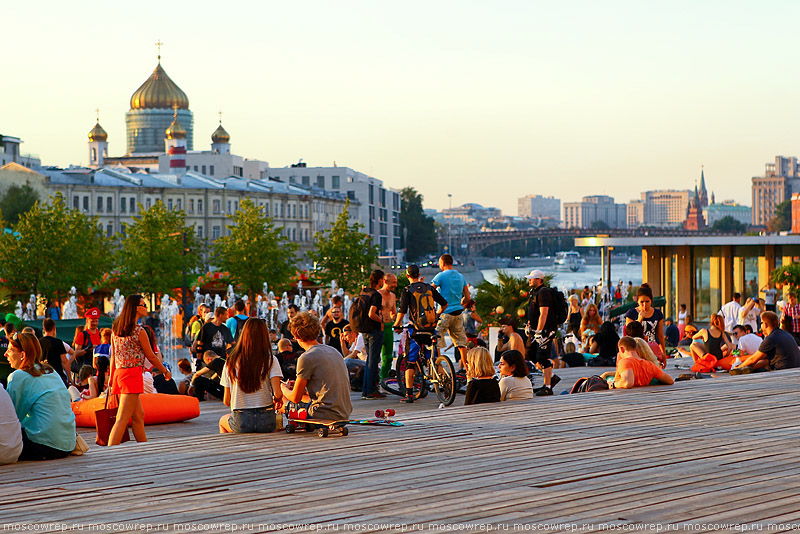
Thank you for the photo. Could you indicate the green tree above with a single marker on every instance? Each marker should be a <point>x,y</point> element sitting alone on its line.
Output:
<point>152,257</point>
<point>787,277</point>
<point>600,225</point>
<point>17,200</point>
<point>729,225</point>
<point>255,252</point>
<point>344,253</point>
<point>510,292</point>
<point>782,219</point>
<point>53,248</point>
<point>417,229</point>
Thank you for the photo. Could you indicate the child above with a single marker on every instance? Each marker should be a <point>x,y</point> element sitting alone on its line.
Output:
<point>185,385</point>
<point>101,357</point>
<point>482,386</point>
<point>515,384</point>
<point>86,386</point>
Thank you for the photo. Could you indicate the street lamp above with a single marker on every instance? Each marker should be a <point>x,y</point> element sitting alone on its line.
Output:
<point>450,224</point>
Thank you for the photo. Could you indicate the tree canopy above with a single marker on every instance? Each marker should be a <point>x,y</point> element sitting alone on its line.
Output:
<point>417,229</point>
<point>255,251</point>
<point>782,219</point>
<point>16,201</point>
<point>152,257</point>
<point>52,248</point>
<point>344,253</point>
<point>729,224</point>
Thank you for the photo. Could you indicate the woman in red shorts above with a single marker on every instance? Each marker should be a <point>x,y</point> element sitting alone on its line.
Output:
<point>129,347</point>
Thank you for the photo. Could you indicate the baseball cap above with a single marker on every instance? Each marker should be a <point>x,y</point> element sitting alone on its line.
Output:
<point>92,313</point>
<point>413,270</point>
<point>536,273</point>
<point>209,317</point>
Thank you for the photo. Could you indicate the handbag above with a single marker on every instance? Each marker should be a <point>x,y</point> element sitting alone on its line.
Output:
<point>104,422</point>
<point>81,447</point>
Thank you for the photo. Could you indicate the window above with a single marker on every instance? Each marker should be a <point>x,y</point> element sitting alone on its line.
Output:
<point>306,180</point>
<point>350,180</point>
<point>306,234</point>
<point>291,179</point>
<point>195,168</point>
<point>133,205</point>
<point>169,204</point>
<point>383,197</point>
<point>191,205</point>
<point>266,209</point>
<point>321,182</point>
<point>109,204</point>
<point>85,203</point>
<point>230,205</point>
<point>200,232</point>
<point>76,202</point>
<point>99,204</point>
<point>382,228</point>
<point>334,182</point>
<point>294,211</point>
<point>216,208</point>
<point>351,195</point>
<point>122,205</point>
<point>180,204</point>
<point>109,230</point>
<point>276,210</point>
<point>203,169</point>
<point>200,206</point>
<point>211,170</point>
<point>215,232</point>
<point>281,209</point>
<point>294,234</point>
<point>147,203</point>
<point>371,194</point>
<point>235,206</point>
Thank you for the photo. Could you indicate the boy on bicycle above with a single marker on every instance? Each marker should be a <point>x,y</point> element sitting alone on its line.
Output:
<point>419,301</point>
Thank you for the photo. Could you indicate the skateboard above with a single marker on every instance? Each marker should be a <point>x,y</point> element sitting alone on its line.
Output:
<point>382,420</point>
<point>322,426</point>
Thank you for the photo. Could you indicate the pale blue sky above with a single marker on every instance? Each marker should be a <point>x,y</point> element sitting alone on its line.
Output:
<point>488,101</point>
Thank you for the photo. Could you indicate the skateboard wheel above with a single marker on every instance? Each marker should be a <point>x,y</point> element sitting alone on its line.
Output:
<point>390,412</point>
<point>344,431</point>
<point>290,428</point>
<point>378,413</point>
<point>323,432</point>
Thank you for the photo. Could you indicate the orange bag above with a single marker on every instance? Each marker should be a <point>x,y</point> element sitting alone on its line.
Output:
<point>705,363</point>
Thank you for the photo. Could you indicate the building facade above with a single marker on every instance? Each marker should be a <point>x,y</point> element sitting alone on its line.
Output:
<point>663,208</point>
<point>539,207</point>
<point>377,209</point>
<point>781,179</point>
<point>728,208</point>
<point>592,210</point>
<point>10,153</point>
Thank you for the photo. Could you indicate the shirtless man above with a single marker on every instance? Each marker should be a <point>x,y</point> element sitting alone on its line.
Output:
<point>388,313</point>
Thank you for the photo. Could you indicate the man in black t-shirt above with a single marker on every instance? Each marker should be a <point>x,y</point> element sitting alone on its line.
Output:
<point>215,335</point>
<point>372,332</point>
<point>292,311</point>
<point>207,378</point>
<point>542,324</point>
<point>777,351</point>
<point>334,329</point>
<point>53,350</point>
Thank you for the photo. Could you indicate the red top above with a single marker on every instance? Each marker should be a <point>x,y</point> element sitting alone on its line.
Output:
<point>127,351</point>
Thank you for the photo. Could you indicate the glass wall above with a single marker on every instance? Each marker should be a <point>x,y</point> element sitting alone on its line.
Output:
<point>702,284</point>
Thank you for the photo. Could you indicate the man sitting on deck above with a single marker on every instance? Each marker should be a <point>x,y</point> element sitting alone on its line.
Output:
<point>777,351</point>
<point>322,386</point>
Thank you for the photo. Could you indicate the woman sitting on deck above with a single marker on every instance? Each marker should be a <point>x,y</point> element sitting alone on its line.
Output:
<point>252,381</point>
<point>636,366</point>
<point>713,341</point>
<point>482,386</point>
<point>604,344</point>
<point>515,384</point>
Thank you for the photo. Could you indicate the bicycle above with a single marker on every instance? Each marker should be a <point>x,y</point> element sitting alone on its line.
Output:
<point>441,375</point>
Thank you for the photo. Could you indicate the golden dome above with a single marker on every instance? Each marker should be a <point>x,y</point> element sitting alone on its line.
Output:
<point>220,135</point>
<point>176,130</point>
<point>159,92</point>
<point>98,133</point>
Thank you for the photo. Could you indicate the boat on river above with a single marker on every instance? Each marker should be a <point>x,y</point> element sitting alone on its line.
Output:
<point>569,261</point>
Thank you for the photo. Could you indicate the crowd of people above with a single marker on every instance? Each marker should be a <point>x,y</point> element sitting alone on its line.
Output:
<point>309,367</point>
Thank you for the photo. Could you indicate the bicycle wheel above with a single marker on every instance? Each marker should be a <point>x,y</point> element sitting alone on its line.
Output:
<point>392,385</point>
<point>444,380</point>
<point>399,383</point>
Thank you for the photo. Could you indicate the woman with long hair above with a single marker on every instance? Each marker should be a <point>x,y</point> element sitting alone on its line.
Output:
<point>590,324</point>
<point>652,320</point>
<point>130,345</point>
<point>40,400</point>
<point>711,340</point>
<point>252,381</point>
<point>575,316</point>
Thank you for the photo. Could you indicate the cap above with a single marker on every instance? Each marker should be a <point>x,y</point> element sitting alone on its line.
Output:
<point>209,317</point>
<point>536,273</point>
<point>413,270</point>
<point>92,313</point>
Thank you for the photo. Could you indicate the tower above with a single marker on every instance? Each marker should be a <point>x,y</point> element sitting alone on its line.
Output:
<point>98,144</point>
<point>703,197</point>
<point>220,140</point>
<point>152,112</point>
<point>175,145</point>
<point>694,215</point>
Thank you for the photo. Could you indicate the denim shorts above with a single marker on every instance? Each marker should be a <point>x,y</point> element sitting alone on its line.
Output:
<point>253,420</point>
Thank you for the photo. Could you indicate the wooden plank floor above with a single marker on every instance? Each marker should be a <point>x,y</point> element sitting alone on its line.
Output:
<point>699,455</point>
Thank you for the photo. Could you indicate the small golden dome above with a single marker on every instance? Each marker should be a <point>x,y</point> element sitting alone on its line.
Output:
<point>176,130</point>
<point>98,133</point>
<point>159,92</point>
<point>220,135</point>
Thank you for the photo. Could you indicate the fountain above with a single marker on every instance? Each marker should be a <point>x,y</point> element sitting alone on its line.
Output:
<point>71,307</point>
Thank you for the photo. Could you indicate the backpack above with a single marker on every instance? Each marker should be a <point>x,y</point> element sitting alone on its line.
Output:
<point>239,326</point>
<point>424,310</point>
<point>87,358</point>
<point>359,311</point>
<point>560,305</point>
<point>592,383</point>
<point>187,331</point>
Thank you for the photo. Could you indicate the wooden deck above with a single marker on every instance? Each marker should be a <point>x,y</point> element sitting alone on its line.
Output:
<point>698,455</point>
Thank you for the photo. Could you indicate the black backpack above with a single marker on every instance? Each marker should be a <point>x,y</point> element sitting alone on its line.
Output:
<point>560,305</point>
<point>592,383</point>
<point>239,326</point>
<point>423,313</point>
<point>359,311</point>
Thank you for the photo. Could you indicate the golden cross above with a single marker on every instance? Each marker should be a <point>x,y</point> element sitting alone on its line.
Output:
<point>159,44</point>
<point>98,115</point>
<point>220,117</point>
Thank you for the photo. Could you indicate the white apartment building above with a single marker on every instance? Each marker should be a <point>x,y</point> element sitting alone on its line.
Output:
<point>591,209</point>
<point>378,209</point>
<point>9,153</point>
<point>728,208</point>
<point>663,208</point>
<point>537,206</point>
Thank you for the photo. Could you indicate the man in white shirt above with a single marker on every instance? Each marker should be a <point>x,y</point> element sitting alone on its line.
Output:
<point>746,340</point>
<point>750,312</point>
<point>730,312</point>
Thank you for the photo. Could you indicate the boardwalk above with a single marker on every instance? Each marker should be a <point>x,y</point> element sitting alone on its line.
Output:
<point>697,455</point>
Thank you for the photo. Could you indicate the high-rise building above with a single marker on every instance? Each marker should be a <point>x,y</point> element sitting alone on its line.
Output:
<point>781,179</point>
<point>593,210</point>
<point>664,208</point>
<point>537,206</point>
<point>9,152</point>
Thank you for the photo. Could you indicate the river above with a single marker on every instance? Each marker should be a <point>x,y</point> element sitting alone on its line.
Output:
<point>568,280</point>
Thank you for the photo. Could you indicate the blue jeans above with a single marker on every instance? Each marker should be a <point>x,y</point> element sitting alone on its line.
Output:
<point>373,341</point>
<point>253,420</point>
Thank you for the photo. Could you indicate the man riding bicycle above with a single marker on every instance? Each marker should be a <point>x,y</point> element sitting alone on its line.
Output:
<point>419,301</point>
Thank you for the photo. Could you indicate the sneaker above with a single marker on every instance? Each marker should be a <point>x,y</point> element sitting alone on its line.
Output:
<point>743,370</point>
<point>544,391</point>
<point>374,395</point>
<point>407,400</point>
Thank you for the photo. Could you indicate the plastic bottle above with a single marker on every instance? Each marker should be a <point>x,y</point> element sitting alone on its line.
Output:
<point>737,362</point>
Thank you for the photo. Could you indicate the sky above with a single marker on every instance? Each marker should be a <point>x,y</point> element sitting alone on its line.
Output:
<point>487,101</point>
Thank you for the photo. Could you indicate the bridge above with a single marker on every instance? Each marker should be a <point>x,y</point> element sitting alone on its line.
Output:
<point>473,243</point>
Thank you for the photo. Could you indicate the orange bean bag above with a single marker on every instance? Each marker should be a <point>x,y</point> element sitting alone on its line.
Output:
<point>158,408</point>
